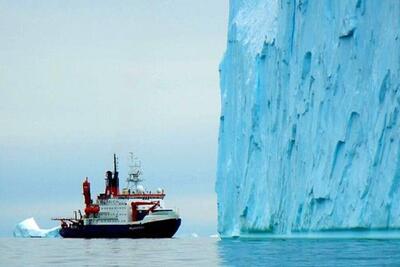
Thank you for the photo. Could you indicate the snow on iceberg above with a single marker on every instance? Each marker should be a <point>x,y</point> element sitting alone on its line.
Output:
<point>29,228</point>
<point>310,128</point>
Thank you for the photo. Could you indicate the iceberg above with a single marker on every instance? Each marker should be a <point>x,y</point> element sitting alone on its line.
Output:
<point>29,228</point>
<point>309,137</point>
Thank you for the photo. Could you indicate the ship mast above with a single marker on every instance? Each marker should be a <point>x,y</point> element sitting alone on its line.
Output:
<point>116,178</point>
<point>115,163</point>
<point>134,173</point>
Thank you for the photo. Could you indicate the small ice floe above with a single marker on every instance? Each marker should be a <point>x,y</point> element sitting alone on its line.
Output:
<point>194,235</point>
<point>29,228</point>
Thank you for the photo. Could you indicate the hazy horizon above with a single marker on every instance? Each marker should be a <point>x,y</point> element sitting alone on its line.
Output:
<point>82,81</point>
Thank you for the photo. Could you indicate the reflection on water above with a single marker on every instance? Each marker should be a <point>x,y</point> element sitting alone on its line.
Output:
<point>109,252</point>
<point>309,252</point>
<point>198,252</point>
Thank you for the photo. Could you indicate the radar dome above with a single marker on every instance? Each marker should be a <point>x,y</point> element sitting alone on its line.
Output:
<point>140,189</point>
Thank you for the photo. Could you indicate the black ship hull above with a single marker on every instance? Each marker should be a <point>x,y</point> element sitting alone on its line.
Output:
<point>157,229</point>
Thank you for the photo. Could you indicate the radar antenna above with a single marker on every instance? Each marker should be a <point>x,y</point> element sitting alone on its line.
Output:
<point>135,170</point>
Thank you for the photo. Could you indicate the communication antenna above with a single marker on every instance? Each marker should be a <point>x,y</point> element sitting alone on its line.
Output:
<point>135,170</point>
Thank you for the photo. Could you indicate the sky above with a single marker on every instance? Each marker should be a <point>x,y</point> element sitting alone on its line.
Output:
<point>81,80</point>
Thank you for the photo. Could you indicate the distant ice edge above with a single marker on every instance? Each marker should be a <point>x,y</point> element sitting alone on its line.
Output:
<point>29,229</point>
<point>332,234</point>
<point>309,135</point>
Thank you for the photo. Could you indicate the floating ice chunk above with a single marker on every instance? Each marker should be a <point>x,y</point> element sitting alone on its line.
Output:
<point>29,228</point>
<point>194,235</point>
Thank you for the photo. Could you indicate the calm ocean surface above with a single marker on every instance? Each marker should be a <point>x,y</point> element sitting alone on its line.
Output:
<point>198,252</point>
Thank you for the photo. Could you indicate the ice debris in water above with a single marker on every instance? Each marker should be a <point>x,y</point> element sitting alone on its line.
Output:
<point>195,235</point>
<point>29,228</point>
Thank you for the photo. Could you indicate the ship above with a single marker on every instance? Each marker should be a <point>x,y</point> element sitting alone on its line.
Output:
<point>131,213</point>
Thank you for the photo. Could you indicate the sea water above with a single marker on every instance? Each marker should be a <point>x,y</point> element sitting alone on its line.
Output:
<point>199,252</point>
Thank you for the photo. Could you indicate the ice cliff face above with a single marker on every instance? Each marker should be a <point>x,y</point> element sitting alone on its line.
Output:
<point>310,129</point>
